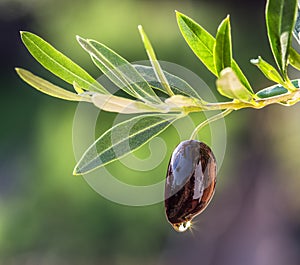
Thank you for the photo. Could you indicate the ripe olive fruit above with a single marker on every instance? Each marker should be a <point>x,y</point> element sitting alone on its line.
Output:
<point>190,183</point>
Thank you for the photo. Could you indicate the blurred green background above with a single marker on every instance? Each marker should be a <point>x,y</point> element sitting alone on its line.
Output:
<point>47,216</point>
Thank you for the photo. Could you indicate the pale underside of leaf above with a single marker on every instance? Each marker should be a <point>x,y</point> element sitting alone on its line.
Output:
<point>296,31</point>
<point>179,102</point>
<point>230,86</point>
<point>122,139</point>
<point>59,64</point>
<point>49,88</point>
<point>117,104</point>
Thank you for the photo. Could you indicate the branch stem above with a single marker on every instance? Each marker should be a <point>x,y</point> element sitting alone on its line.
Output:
<point>289,99</point>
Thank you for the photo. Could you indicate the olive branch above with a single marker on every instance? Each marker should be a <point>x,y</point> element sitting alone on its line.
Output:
<point>142,83</point>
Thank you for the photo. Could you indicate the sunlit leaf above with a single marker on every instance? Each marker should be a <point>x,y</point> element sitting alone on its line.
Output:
<point>241,76</point>
<point>122,139</point>
<point>294,59</point>
<point>202,44</point>
<point>154,62</point>
<point>119,71</point>
<point>123,105</point>
<point>178,85</point>
<point>268,70</point>
<point>48,88</point>
<point>200,41</point>
<point>280,19</point>
<point>223,46</point>
<point>59,64</point>
<point>230,86</point>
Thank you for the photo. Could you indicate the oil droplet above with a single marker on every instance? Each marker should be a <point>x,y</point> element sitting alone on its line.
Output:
<point>182,227</point>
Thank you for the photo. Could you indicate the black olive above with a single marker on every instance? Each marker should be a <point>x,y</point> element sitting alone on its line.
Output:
<point>190,183</point>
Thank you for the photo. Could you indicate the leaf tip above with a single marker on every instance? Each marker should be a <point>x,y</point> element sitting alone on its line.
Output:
<point>178,14</point>
<point>23,32</point>
<point>76,172</point>
<point>78,38</point>
<point>254,61</point>
<point>19,71</point>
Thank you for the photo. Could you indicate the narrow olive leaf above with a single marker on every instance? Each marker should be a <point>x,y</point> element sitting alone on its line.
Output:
<point>59,64</point>
<point>202,44</point>
<point>223,46</point>
<point>280,20</point>
<point>117,104</point>
<point>272,91</point>
<point>77,88</point>
<point>230,86</point>
<point>123,139</point>
<point>49,88</point>
<point>178,85</point>
<point>119,71</point>
<point>154,62</point>
<point>294,58</point>
<point>268,70</point>
<point>235,67</point>
<point>296,31</point>
<point>200,41</point>
<point>276,90</point>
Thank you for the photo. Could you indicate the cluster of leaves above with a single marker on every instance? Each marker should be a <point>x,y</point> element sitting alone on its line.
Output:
<point>142,82</point>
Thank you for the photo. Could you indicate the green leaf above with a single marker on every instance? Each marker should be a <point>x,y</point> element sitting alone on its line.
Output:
<point>268,70</point>
<point>294,58</point>
<point>200,41</point>
<point>123,139</point>
<point>119,71</point>
<point>230,86</point>
<point>280,21</point>
<point>178,85</point>
<point>202,44</point>
<point>48,88</point>
<point>59,64</point>
<point>223,46</point>
<point>124,105</point>
<point>271,91</point>
<point>154,62</point>
<point>296,31</point>
<point>241,76</point>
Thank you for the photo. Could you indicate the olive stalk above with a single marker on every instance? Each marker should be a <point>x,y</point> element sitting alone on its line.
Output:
<point>211,119</point>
